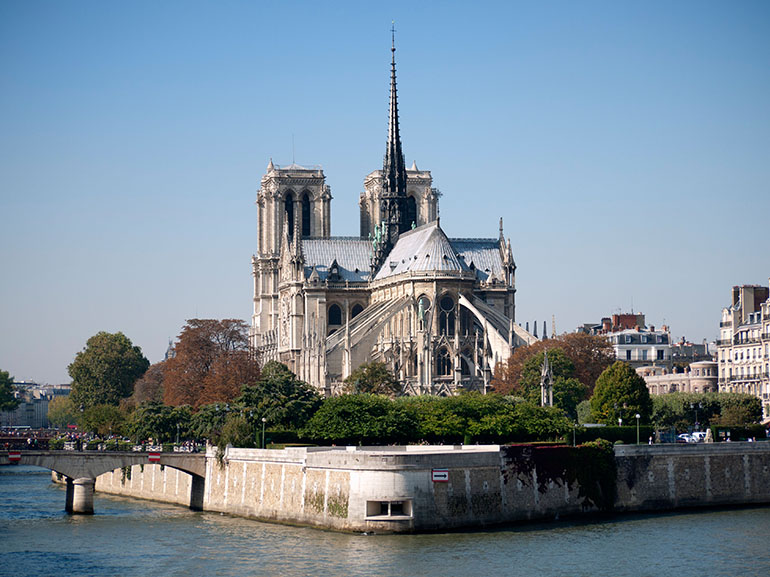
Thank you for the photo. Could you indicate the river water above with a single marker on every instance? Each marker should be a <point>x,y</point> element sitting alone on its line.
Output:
<point>130,537</point>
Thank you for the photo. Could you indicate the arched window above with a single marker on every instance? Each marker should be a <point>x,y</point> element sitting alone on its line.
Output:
<point>288,207</point>
<point>335,315</point>
<point>411,212</point>
<point>423,313</point>
<point>447,316</point>
<point>305,215</point>
<point>443,363</point>
<point>357,308</point>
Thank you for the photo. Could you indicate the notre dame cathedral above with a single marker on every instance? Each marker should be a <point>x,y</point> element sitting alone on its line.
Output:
<point>438,311</point>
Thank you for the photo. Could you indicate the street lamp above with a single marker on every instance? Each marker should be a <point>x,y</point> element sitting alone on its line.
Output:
<point>696,407</point>
<point>638,416</point>
<point>177,433</point>
<point>264,420</point>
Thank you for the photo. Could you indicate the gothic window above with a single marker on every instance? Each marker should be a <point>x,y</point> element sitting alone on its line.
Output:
<point>465,369</point>
<point>335,315</point>
<point>288,205</point>
<point>411,211</point>
<point>357,308</point>
<point>447,315</point>
<point>305,215</point>
<point>423,313</point>
<point>443,363</point>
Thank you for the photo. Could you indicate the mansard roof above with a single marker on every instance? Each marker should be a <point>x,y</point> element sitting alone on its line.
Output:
<point>352,255</point>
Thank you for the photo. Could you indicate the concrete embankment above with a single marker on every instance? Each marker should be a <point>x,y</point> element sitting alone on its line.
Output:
<point>402,489</point>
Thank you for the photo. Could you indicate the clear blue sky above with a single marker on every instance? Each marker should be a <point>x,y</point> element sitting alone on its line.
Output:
<point>625,144</point>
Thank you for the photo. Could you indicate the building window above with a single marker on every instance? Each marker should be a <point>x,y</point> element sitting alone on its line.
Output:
<point>443,363</point>
<point>289,210</point>
<point>447,316</point>
<point>411,212</point>
<point>305,215</point>
<point>644,354</point>
<point>660,355</point>
<point>628,339</point>
<point>335,315</point>
<point>357,308</point>
<point>628,355</point>
<point>423,313</point>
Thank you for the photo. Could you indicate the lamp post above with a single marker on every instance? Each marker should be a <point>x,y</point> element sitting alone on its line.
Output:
<point>177,433</point>
<point>264,420</point>
<point>696,407</point>
<point>638,416</point>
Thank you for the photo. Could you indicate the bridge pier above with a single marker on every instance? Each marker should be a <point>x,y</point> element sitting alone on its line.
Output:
<point>80,496</point>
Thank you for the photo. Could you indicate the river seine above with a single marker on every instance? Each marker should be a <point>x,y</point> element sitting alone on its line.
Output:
<point>131,537</point>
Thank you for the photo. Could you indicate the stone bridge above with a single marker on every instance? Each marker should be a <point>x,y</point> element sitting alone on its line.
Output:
<point>80,468</point>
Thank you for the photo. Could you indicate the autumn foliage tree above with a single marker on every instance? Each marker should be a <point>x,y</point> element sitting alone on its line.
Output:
<point>211,362</point>
<point>149,388</point>
<point>589,354</point>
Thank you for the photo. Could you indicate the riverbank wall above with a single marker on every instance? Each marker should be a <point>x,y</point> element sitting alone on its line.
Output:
<point>427,488</point>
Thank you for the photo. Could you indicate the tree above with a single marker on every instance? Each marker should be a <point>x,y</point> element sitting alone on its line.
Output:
<point>362,419</point>
<point>150,386</point>
<point>102,419</point>
<point>8,401</point>
<point>61,412</point>
<point>567,390</point>
<point>211,362</point>
<point>159,421</point>
<point>620,393</point>
<point>105,371</point>
<point>589,355</point>
<point>373,378</point>
<point>280,397</point>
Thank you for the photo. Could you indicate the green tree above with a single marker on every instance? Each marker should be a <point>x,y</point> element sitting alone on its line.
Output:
<point>568,391</point>
<point>620,393</point>
<point>160,422</point>
<point>375,378</point>
<point>61,412</point>
<point>363,419</point>
<point>105,371</point>
<point>8,402</point>
<point>102,420</point>
<point>280,397</point>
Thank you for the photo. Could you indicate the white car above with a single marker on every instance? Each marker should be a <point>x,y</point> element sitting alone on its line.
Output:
<point>685,438</point>
<point>699,436</point>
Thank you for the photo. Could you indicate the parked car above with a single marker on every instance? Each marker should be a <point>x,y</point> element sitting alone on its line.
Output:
<point>685,438</point>
<point>699,436</point>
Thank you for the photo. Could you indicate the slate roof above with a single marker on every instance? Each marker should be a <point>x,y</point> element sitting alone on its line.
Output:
<point>425,248</point>
<point>351,253</point>
<point>483,253</point>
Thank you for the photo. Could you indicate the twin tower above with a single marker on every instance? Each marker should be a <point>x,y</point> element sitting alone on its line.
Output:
<point>438,311</point>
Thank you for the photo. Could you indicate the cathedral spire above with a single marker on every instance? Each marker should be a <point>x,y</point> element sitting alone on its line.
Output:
<point>393,213</point>
<point>394,167</point>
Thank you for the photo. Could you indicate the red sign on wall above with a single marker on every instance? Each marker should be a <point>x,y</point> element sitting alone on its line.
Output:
<point>154,457</point>
<point>14,456</point>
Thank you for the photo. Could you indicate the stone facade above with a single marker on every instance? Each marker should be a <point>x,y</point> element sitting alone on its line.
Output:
<point>743,348</point>
<point>698,377</point>
<point>439,311</point>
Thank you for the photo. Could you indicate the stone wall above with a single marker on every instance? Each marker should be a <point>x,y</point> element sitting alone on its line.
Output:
<point>148,482</point>
<point>694,475</point>
<point>401,489</point>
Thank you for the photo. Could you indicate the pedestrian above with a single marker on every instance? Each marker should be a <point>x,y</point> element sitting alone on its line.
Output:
<point>650,442</point>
